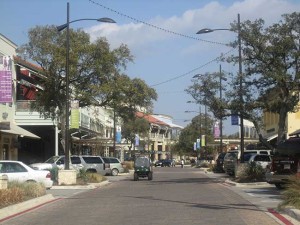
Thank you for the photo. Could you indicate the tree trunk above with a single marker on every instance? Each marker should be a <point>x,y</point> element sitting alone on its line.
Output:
<point>282,124</point>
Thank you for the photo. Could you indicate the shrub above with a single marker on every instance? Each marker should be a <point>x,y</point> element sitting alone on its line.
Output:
<point>84,177</point>
<point>128,165</point>
<point>95,178</point>
<point>250,173</point>
<point>291,195</point>
<point>19,192</point>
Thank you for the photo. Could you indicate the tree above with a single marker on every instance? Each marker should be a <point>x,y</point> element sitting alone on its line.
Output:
<point>191,133</point>
<point>271,75</point>
<point>135,126</point>
<point>96,75</point>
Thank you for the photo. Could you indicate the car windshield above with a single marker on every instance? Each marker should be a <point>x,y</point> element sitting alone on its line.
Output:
<point>53,159</point>
<point>248,156</point>
<point>142,162</point>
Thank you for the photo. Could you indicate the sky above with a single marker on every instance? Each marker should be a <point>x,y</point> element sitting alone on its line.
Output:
<point>161,35</point>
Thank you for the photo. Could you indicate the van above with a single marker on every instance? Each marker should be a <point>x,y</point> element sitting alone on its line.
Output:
<point>232,158</point>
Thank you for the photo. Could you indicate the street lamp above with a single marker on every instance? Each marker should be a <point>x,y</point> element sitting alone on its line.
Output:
<point>200,125</point>
<point>205,110</point>
<point>207,30</point>
<point>60,28</point>
<point>221,112</point>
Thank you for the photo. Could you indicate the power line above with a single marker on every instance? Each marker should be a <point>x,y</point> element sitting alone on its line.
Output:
<point>154,26</point>
<point>167,31</point>
<point>192,71</point>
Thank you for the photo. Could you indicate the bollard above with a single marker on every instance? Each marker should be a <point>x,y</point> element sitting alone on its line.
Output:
<point>3,181</point>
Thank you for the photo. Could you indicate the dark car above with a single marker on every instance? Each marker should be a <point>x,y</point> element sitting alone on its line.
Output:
<point>220,162</point>
<point>164,163</point>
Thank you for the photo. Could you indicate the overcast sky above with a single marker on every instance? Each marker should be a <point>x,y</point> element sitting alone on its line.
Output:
<point>161,35</point>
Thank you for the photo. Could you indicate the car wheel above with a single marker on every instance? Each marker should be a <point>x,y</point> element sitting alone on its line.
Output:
<point>114,172</point>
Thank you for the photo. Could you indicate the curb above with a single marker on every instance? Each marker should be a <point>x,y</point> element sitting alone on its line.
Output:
<point>11,210</point>
<point>294,213</point>
<point>88,186</point>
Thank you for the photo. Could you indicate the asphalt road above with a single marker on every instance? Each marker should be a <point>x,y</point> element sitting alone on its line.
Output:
<point>174,196</point>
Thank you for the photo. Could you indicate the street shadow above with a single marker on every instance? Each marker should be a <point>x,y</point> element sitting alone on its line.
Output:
<point>203,206</point>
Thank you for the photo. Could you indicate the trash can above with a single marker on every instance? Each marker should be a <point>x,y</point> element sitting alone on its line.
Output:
<point>3,181</point>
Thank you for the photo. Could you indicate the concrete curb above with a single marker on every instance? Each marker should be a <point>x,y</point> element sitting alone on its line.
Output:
<point>294,213</point>
<point>23,206</point>
<point>88,186</point>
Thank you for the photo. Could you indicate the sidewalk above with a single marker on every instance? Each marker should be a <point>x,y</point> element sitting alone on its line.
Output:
<point>290,211</point>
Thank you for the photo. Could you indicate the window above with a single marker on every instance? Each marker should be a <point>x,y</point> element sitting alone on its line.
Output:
<point>75,160</point>
<point>12,168</point>
<point>89,159</point>
<point>106,160</point>
<point>114,160</point>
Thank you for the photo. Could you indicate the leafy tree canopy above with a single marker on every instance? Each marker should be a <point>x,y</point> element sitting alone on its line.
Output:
<point>270,79</point>
<point>96,74</point>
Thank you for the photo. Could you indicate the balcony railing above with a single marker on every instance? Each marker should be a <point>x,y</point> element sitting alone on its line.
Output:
<point>23,106</point>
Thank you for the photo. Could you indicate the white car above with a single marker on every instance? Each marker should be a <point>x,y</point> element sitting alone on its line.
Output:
<point>20,172</point>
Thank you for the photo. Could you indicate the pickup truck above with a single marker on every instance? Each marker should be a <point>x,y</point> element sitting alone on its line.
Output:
<point>285,162</point>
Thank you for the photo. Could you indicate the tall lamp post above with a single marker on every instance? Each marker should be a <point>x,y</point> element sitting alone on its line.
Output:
<point>205,111</point>
<point>60,28</point>
<point>207,30</point>
<point>200,124</point>
<point>221,112</point>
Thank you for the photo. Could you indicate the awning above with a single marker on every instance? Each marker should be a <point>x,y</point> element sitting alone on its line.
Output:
<point>15,129</point>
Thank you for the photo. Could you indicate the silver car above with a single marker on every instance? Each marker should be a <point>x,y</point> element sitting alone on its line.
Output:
<point>87,162</point>
<point>113,166</point>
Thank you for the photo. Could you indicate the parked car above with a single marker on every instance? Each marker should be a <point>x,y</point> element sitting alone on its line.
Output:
<point>164,163</point>
<point>220,162</point>
<point>232,158</point>
<point>113,166</point>
<point>285,162</point>
<point>260,159</point>
<point>20,172</point>
<point>87,162</point>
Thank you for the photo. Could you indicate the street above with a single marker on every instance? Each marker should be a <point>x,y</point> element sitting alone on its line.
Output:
<point>174,196</point>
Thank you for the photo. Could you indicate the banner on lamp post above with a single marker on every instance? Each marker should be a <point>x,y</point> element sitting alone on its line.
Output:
<point>198,143</point>
<point>234,120</point>
<point>217,129</point>
<point>137,140</point>
<point>203,141</point>
<point>118,134</point>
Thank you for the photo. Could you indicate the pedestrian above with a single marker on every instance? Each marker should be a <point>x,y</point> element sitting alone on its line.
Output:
<point>182,163</point>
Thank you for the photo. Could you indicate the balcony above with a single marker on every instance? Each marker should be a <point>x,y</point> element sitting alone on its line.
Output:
<point>24,116</point>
